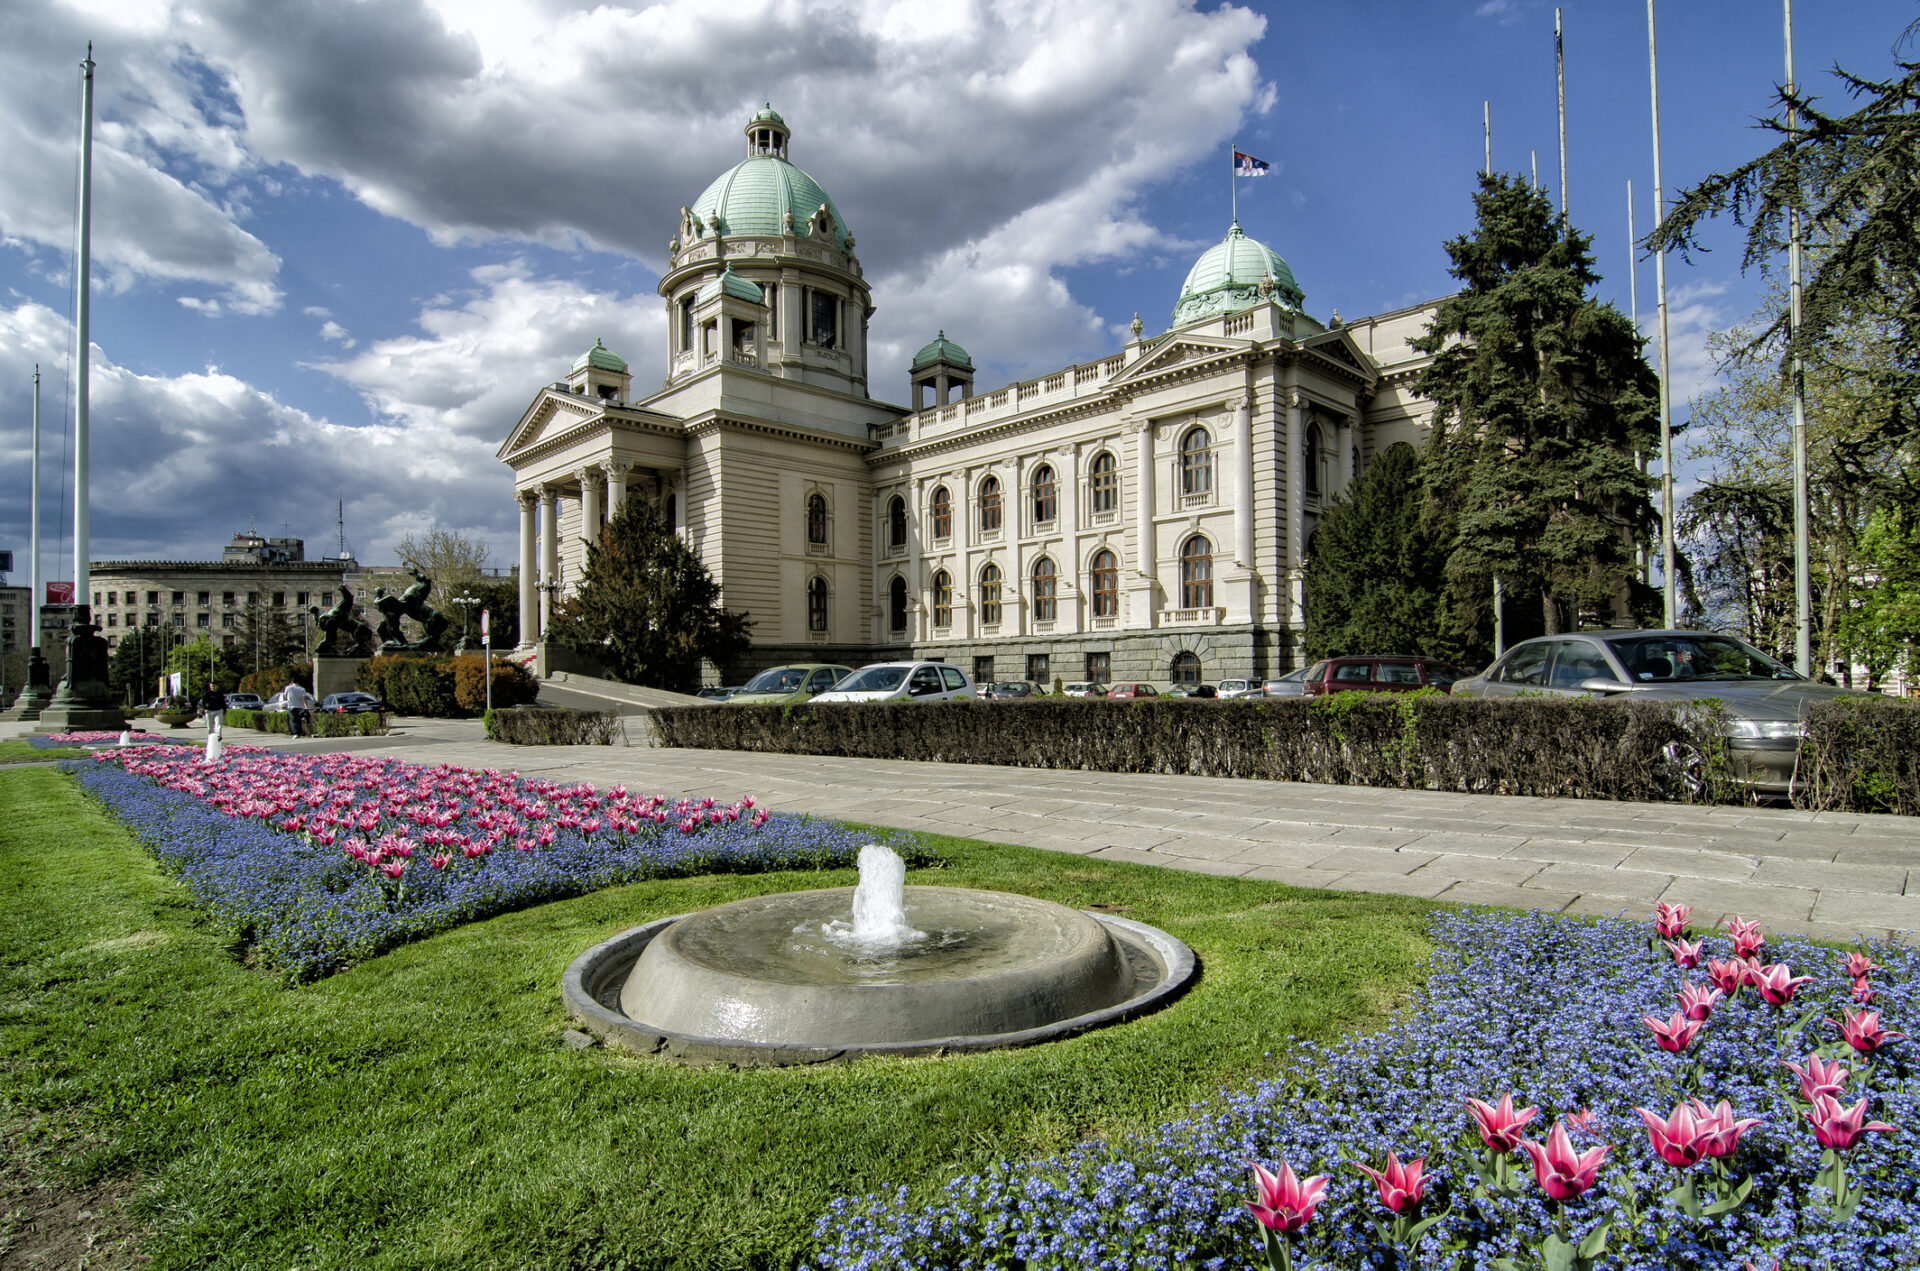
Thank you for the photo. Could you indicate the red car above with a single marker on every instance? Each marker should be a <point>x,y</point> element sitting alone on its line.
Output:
<point>1132,690</point>
<point>1395,673</point>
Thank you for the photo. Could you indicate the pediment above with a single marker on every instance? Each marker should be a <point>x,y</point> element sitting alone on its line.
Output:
<point>1176,351</point>
<point>1338,346</point>
<point>551,414</point>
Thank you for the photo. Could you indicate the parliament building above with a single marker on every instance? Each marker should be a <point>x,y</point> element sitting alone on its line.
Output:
<point>1140,517</point>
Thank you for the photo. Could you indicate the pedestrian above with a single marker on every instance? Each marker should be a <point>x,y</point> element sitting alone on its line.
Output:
<point>300,706</point>
<point>213,704</point>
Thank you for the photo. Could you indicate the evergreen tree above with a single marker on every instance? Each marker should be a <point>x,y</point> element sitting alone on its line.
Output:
<point>647,607</point>
<point>1375,573</point>
<point>269,637</point>
<point>1541,399</point>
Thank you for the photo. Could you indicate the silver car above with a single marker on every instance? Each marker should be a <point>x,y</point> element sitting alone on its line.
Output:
<point>1292,684</point>
<point>1766,703</point>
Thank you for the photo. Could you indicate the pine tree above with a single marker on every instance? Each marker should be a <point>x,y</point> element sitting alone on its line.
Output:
<point>1375,572</point>
<point>647,607</point>
<point>1542,397</point>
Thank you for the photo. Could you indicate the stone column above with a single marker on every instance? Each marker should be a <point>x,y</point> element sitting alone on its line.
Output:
<point>1296,498</point>
<point>1146,556</point>
<point>549,551</point>
<point>529,571</point>
<point>617,471</point>
<point>589,479</point>
<point>1243,484</point>
<point>1349,438</point>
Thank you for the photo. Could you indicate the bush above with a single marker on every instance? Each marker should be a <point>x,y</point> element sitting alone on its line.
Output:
<point>554,726</point>
<point>513,684</point>
<point>325,723</point>
<point>411,685</point>
<point>269,680</point>
<point>1862,754</point>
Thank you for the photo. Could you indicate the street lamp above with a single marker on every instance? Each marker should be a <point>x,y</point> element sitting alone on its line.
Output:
<point>466,600</point>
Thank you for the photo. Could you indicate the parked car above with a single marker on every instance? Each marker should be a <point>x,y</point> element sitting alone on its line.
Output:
<point>278,702</point>
<point>1012,688</point>
<point>1193,690</point>
<point>1237,688</point>
<point>783,685</point>
<point>245,702</point>
<point>1765,703</point>
<point>350,703</point>
<point>1396,673</point>
<point>1133,690</point>
<point>901,682</point>
<point>716,693</point>
<point>1292,684</point>
<point>1083,688</point>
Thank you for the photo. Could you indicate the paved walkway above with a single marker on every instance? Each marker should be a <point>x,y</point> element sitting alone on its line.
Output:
<point>1819,873</point>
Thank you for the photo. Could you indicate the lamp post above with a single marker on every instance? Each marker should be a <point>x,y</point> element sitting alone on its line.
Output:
<point>466,600</point>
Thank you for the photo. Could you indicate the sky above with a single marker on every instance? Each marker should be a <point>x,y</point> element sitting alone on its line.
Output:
<point>338,245</point>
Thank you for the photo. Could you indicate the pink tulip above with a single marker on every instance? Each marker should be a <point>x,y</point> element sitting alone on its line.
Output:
<point>1582,1121</point>
<point>1286,1204</point>
<point>1698,1000</point>
<point>393,869</point>
<point>1399,1185</point>
<point>1859,966</point>
<point>1746,937</point>
<point>1685,952</point>
<point>1728,977</point>
<point>1818,1076</point>
<point>1670,921</point>
<point>1674,1034</point>
<point>1561,1172</point>
<point>1863,1032</point>
<point>1678,1140</point>
<point>1777,983</point>
<point>1719,1131</point>
<point>1862,991</point>
<point>1500,1127</point>
<point>1838,1127</point>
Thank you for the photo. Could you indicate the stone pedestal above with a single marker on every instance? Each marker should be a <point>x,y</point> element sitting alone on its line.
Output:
<point>336,675</point>
<point>38,691</point>
<point>83,702</point>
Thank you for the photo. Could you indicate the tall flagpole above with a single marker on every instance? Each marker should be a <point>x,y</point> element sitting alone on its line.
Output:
<point>1233,182</point>
<point>1633,313</point>
<point>33,538</point>
<point>1671,588</point>
<point>1486,126</point>
<point>1802,570</point>
<point>1560,73</point>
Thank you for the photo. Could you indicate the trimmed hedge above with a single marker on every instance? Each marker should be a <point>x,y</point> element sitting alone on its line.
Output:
<point>1862,754</point>
<point>325,723</point>
<point>555,726</point>
<point>444,687</point>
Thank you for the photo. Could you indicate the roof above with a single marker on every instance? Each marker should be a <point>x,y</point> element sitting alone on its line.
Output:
<point>601,358</point>
<point>733,285</point>
<point>941,350</point>
<point>1228,278</point>
<point>754,196</point>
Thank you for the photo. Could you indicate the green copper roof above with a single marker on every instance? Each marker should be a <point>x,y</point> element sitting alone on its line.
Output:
<point>733,285</point>
<point>1227,279</point>
<point>767,115</point>
<point>752,196</point>
<point>942,350</point>
<point>601,358</point>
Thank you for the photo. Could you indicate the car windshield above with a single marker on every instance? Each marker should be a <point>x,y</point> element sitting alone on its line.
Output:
<point>781,679</point>
<point>875,679</point>
<point>1695,657</point>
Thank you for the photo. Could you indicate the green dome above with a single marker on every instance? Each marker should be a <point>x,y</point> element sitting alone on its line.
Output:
<point>731,284</point>
<point>767,115</point>
<point>942,350</point>
<point>1227,278</point>
<point>753,196</point>
<point>601,358</point>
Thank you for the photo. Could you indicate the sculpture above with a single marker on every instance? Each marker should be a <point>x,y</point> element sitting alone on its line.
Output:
<point>343,632</point>
<point>411,603</point>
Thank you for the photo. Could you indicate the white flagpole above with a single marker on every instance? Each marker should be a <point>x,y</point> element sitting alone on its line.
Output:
<point>1233,183</point>
<point>33,538</point>
<point>1633,312</point>
<point>1802,570</point>
<point>1486,127</point>
<point>82,275</point>
<point>1671,587</point>
<point>1560,73</point>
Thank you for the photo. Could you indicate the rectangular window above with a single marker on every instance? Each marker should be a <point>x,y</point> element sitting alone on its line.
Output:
<point>823,318</point>
<point>226,622</point>
<point>113,597</point>
<point>983,669</point>
<point>206,597</point>
<point>1039,668</point>
<point>179,619</point>
<point>113,619</point>
<point>153,597</point>
<point>96,600</point>
<point>202,621</point>
<point>1100,667</point>
<point>279,599</point>
<point>179,597</point>
<point>226,597</point>
<point>300,598</point>
<point>326,599</point>
<point>153,619</point>
<point>686,325</point>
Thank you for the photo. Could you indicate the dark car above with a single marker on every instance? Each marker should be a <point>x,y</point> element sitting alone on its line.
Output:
<point>1193,690</point>
<point>1387,673</point>
<point>350,703</point>
<point>1012,689</point>
<point>1133,690</point>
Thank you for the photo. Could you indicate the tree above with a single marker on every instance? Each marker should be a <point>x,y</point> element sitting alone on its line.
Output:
<point>453,560</point>
<point>647,607</point>
<point>1542,398</point>
<point>1375,573</point>
<point>269,636</point>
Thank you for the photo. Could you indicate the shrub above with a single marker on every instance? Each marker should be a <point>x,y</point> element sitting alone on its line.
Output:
<point>411,685</point>
<point>325,723</point>
<point>555,726</point>
<point>1862,754</point>
<point>269,680</point>
<point>513,684</point>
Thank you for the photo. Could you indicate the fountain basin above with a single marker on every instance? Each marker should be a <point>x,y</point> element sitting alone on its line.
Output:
<point>778,979</point>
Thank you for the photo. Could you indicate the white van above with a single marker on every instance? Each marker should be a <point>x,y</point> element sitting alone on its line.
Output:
<point>900,682</point>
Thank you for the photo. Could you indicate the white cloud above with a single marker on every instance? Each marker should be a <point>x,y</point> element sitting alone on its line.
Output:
<point>331,330</point>
<point>1693,314</point>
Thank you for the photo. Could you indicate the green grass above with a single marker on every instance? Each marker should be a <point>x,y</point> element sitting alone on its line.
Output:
<point>23,751</point>
<point>420,1111</point>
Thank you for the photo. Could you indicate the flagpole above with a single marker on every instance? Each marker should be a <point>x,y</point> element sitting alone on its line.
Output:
<point>1670,607</point>
<point>1233,183</point>
<point>1802,570</point>
<point>1560,73</point>
<point>82,276</point>
<point>1633,312</point>
<point>1486,127</point>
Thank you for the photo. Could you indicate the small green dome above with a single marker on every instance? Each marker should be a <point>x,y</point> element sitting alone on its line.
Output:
<point>767,115</point>
<point>731,284</point>
<point>942,350</point>
<point>1227,279</point>
<point>601,358</point>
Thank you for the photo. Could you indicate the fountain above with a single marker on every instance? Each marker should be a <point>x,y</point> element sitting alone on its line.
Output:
<point>802,977</point>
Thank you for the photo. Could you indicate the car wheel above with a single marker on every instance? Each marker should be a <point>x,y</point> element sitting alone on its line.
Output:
<point>1682,773</point>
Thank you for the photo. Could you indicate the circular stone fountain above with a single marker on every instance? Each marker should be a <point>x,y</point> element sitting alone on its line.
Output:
<point>802,977</point>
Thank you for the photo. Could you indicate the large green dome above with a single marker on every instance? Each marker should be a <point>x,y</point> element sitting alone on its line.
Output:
<point>1227,279</point>
<point>754,196</point>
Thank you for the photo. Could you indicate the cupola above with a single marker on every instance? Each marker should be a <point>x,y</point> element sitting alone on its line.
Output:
<point>941,366</point>
<point>1233,275</point>
<point>600,372</point>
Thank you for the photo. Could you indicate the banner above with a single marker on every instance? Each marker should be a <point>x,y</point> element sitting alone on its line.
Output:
<point>60,593</point>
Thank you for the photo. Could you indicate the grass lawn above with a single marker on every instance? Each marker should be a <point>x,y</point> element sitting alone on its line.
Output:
<point>420,1111</point>
<point>22,751</point>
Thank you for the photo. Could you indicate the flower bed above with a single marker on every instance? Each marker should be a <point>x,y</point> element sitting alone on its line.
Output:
<point>315,862</point>
<point>51,741</point>
<point>1552,1010</point>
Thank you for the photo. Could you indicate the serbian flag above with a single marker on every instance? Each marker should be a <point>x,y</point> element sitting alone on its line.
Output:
<point>1245,165</point>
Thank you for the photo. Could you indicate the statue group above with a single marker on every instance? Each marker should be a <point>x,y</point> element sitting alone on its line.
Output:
<point>345,634</point>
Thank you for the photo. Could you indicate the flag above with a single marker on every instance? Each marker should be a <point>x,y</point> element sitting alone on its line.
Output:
<point>1245,165</point>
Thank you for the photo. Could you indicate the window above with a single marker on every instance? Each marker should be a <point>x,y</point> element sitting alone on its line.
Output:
<point>983,669</point>
<point>823,679</point>
<point>179,597</point>
<point>1100,667</point>
<point>300,598</point>
<point>955,680</point>
<point>279,599</point>
<point>823,309</point>
<point>326,599</point>
<point>1525,665</point>
<point>942,598</point>
<point>113,597</point>
<point>1105,579</point>
<point>990,506</point>
<point>1577,660</point>
<point>942,513</point>
<point>897,523</point>
<point>1046,502</point>
<point>1040,668</point>
<point>1313,461</point>
<point>153,598</point>
<point>206,597</point>
<point>686,324</point>
<point>990,595</point>
<point>1397,673</point>
<point>1196,463</point>
<point>1353,673</point>
<point>817,604</point>
<point>1105,483</point>
<point>153,619</point>
<point>96,600</point>
<point>179,619</point>
<point>226,622</point>
<point>1045,587</point>
<point>897,604</point>
<point>226,597</point>
<point>113,619</point>
<point>1196,573</point>
<point>1185,668</point>
<point>202,621</point>
<point>816,521</point>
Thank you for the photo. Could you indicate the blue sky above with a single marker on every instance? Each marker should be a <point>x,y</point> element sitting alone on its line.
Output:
<point>338,246</point>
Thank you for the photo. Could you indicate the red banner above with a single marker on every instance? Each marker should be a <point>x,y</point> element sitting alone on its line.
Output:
<point>60,593</point>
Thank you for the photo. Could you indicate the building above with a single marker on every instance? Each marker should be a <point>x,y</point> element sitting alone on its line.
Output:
<point>191,599</point>
<point>1140,517</point>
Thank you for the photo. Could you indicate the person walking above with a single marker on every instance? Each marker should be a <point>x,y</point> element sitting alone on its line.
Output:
<point>213,704</point>
<point>300,706</point>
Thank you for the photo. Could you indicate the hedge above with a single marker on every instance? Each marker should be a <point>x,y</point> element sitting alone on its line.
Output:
<point>325,723</point>
<point>1862,754</point>
<point>555,726</point>
<point>444,687</point>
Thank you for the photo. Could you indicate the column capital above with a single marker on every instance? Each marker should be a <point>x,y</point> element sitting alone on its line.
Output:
<point>527,499</point>
<point>1238,402</point>
<point>619,467</point>
<point>1297,398</point>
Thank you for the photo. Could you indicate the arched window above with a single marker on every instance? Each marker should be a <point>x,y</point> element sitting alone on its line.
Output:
<point>942,598</point>
<point>1105,584</point>
<point>897,604</point>
<point>897,523</point>
<point>1046,502</point>
<point>942,513</point>
<point>1196,573</point>
<point>1185,668</point>
<point>1045,584</point>
<point>990,595</point>
<point>1312,462</point>
<point>817,604</point>
<point>1196,462</point>
<point>990,505</point>
<point>816,520</point>
<point>1105,482</point>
